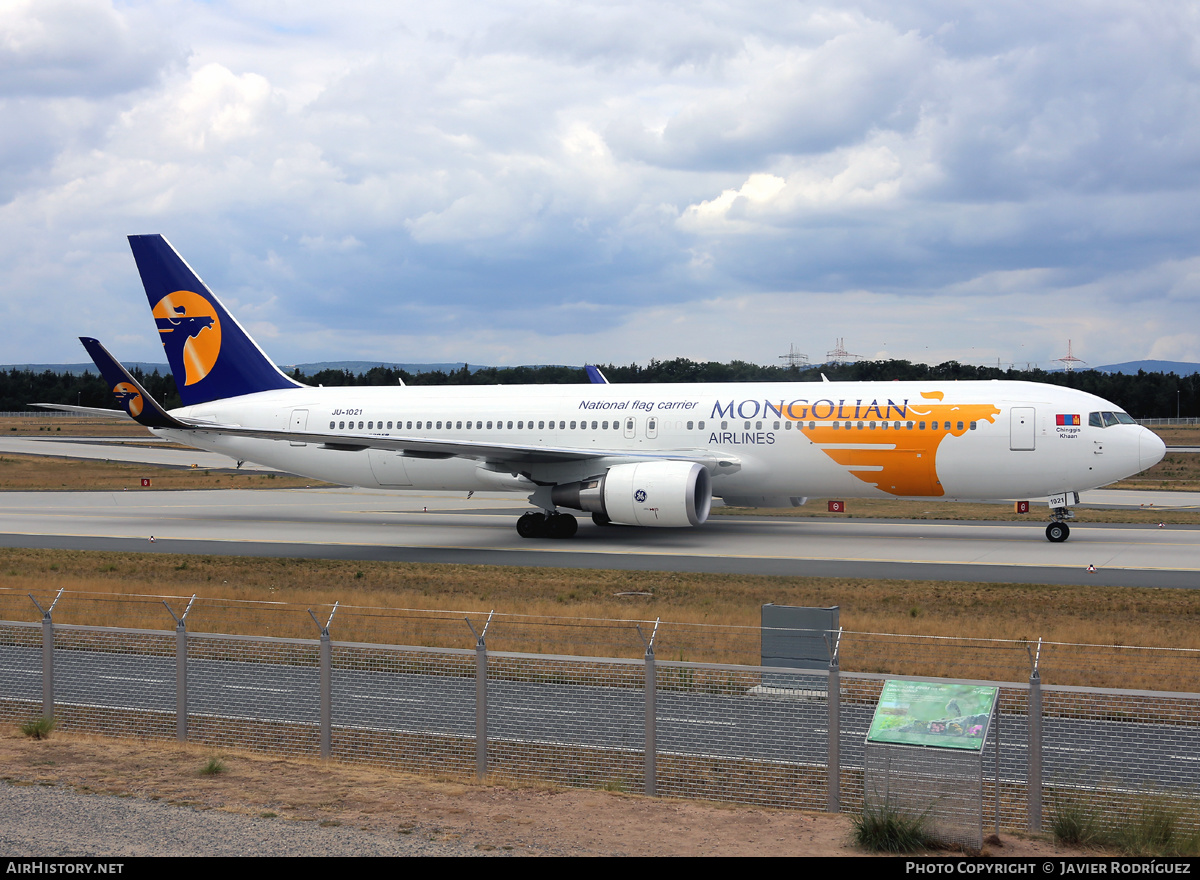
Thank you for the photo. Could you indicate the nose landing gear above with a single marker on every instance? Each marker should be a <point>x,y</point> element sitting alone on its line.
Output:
<point>1057,532</point>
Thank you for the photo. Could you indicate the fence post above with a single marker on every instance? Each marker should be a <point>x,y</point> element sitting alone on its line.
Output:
<point>650,765</point>
<point>181,713</point>
<point>1034,771</point>
<point>481,723</point>
<point>47,654</point>
<point>833,701</point>
<point>326,661</point>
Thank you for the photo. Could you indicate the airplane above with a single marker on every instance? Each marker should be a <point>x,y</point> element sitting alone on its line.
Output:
<point>636,455</point>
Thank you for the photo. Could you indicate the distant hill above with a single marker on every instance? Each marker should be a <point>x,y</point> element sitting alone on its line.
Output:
<point>80,369</point>
<point>307,369</point>
<point>1179,368</point>
<point>363,366</point>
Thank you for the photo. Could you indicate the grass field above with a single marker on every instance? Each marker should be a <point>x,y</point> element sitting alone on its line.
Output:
<point>706,617</point>
<point>34,473</point>
<point>71,426</point>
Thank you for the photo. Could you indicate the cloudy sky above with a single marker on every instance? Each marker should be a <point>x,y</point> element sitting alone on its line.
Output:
<point>505,183</point>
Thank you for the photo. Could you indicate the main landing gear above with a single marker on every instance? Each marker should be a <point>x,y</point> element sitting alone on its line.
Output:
<point>542,525</point>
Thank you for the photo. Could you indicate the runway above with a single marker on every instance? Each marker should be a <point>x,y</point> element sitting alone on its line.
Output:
<point>448,527</point>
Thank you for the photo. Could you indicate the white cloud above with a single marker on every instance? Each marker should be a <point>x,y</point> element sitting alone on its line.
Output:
<point>646,180</point>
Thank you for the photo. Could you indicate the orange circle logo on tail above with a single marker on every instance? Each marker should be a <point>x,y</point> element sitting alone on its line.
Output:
<point>128,397</point>
<point>188,323</point>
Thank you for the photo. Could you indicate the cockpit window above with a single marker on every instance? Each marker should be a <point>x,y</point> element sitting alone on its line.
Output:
<point>1107,419</point>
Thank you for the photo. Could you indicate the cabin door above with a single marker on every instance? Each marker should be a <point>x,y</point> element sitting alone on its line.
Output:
<point>1021,432</point>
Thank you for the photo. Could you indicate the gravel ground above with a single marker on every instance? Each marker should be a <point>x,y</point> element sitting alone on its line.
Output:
<point>50,821</point>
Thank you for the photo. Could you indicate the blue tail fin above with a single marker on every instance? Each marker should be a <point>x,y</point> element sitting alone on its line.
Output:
<point>131,396</point>
<point>211,356</point>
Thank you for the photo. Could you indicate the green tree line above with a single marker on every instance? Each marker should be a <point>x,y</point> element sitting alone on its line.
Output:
<point>1144,395</point>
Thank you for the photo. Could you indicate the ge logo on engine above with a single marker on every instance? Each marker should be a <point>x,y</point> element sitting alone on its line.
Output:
<point>640,495</point>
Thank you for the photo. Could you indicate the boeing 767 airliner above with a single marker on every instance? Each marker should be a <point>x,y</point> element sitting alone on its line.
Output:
<point>639,455</point>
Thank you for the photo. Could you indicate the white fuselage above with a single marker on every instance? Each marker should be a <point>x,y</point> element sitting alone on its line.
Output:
<point>770,442</point>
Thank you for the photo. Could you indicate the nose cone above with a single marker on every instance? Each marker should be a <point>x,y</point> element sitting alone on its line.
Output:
<point>1151,449</point>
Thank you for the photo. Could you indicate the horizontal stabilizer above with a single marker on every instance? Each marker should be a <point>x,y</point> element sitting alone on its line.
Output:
<point>85,410</point>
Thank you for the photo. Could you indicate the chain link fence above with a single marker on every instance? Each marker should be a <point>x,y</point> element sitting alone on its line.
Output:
<point>456,698</point>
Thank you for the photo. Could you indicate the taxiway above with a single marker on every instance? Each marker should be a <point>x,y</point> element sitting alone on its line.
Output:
<point>448,527</point>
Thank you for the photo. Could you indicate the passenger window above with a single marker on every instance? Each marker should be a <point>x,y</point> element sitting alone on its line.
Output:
<point>541,425</point>
<point>489,426</point>
<point>777,425</point>
<point>836,425</point>
<point>604,426</point>
<point>510,426</point>
<point>572,426</point>
<point>960,426</point>
<point>593,426</point>
<point>458,426</point>
<point>700,425</point>
<point>724,425</point>
<point>331,424</point>
<point>360,426</point>
<point>973,425</point>
<point>812,426</point>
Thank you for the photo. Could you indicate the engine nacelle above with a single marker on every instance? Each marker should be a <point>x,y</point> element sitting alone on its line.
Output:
<point>666,494</point>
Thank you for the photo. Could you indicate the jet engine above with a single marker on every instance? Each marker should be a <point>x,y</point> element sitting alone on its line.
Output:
<point>667,494</point>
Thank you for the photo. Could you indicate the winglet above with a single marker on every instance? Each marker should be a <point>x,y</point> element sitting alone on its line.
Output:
<point>595,375</point>
<point>131,396</point>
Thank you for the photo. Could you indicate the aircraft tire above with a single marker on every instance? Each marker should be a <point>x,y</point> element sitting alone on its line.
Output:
<point>1057,532</point>
<point>532,525</point>
<point>601,519</point>
<point>562,525</point>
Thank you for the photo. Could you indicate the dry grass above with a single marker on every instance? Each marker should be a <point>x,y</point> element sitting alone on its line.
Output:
<point>70,426</point>
<point>708,617</point>
<point>40,473</point>
<point>887,508</point>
